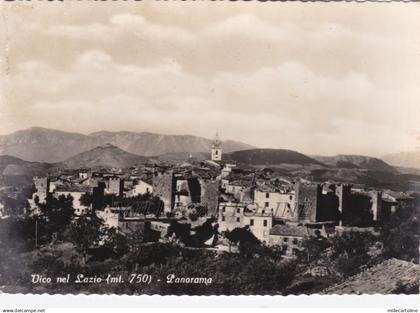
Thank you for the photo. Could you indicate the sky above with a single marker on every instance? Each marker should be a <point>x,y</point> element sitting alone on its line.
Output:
<point>319,78</point>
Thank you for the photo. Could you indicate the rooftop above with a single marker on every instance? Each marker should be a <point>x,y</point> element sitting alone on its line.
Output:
<point>73,188</point>
<point>384,278</point>
<point>289,230</point>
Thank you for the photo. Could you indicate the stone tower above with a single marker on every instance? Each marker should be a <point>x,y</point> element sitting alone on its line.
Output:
<point>216,149</point>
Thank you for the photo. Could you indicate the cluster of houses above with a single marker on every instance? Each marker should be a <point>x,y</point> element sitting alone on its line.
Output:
<point>279,211</point>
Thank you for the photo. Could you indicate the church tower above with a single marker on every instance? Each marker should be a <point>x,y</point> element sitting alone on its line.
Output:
<point>216,149</point>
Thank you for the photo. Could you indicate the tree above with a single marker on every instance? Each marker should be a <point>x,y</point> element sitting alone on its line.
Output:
<point>313,247</point>
<point>86,231</point>
<point>248,243</point>
<point>115,241</point>
<point>86,199</point>
<point>401,236</point>
<point>350,251</point>
<point>57,213</point>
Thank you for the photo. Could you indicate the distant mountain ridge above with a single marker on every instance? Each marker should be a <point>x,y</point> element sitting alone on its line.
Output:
<point>356,162</point>
<point>49,145</point>
<point>122,149</point>
<point>270,157</point>
<point>404,159</point>
<point>352,169</point>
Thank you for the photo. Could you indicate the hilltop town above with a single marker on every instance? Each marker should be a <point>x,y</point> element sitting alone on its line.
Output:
<point>213,204</point>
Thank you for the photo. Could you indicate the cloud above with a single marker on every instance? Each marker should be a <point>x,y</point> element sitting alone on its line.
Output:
<point>121,25</point>
<point>274,78</point>
<point>143,28</point>
<point>291,100</point>
<point>90,31</point>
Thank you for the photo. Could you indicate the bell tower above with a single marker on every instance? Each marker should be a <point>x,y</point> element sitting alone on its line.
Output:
<point>216,149</point>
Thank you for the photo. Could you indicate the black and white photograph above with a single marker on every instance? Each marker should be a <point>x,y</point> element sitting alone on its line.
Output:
<point>209,148</point>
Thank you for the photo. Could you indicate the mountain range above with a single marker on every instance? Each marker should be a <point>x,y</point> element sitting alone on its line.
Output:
<point>356,162</point>
<point>270,157</point>
<point>53,149</point>
<point>38,144</point>
<point>404,159</point>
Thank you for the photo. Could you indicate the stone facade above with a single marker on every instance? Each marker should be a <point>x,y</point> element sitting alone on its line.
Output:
<point>307,197</point>
<point>236,215</point>
<point>210,195</point>
<point>164,187</point>
<point>115,185</point>
<point>281,204</point>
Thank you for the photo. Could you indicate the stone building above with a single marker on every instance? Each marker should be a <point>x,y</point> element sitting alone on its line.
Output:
<point>76,192</point>
<point>115,186</point>
<point>359,206</point>
<point>281,204</point>
<point>316,203</point>
<point>164,188</point>
<point>140,188</point>
<point>289,237</point>
<point>110,217</point>
<point>239,215</point>
<point>42,186</point>
<point>210,195</point>
<point>396,202</point>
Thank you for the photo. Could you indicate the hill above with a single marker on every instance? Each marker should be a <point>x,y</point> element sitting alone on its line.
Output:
<point>42,145</point>
<point>356,162</point>
<point>149,144</point>
<point>17,172</point>
<point>108,156</point>
<point>404,159</point>
<point>270,157</point>
<point>183,156</point>
<point>49,145</point>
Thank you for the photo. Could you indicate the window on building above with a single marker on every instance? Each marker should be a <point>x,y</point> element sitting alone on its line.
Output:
<point>223,209</point>
<point>265,223</point>
<point>295,241</point>
<point>263,211</point>
<point>238,219</point>
<point>217,152</point>
<point>223,218</point>
<point>251,222</point>
<point>285,239</point>
<point>290,197</point>
<point>267,204</point>
<point>238,210</point>
<point>267,195</point>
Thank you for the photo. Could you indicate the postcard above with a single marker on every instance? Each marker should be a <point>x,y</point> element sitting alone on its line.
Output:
<point>209,147</point>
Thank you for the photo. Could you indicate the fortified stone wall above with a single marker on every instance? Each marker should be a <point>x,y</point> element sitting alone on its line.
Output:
<point>306,202</point>
<point>210,195</point>
<point>163,187</point>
